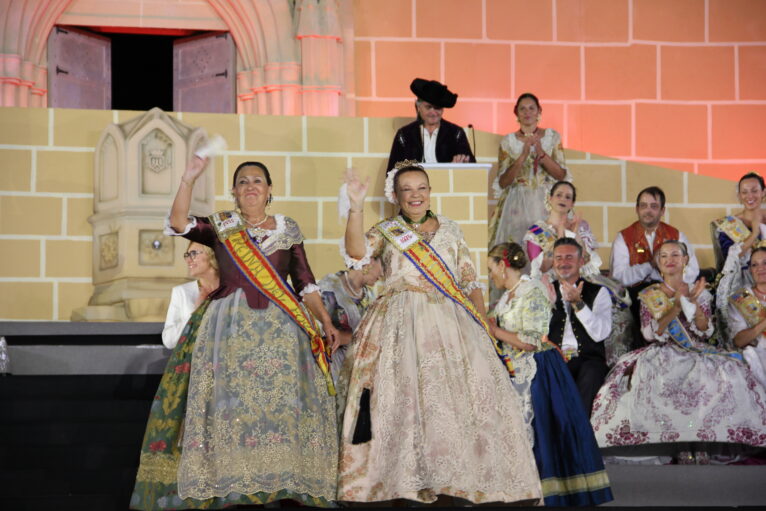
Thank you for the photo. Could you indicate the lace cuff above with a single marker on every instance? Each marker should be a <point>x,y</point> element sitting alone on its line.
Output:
<point>471,286</point>
<point>703,334</point>
<point>310,288</point>
<point>654,325</point>
<point>169,231</point>
<point>689,309</point>
<point>352,263</point>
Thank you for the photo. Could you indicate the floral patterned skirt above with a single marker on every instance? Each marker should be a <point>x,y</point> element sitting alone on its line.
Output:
<point>444,417</point>
<point>258,423</point>
<point>663,393</point>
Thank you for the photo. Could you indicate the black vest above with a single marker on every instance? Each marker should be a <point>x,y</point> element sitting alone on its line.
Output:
<point>585,345</point>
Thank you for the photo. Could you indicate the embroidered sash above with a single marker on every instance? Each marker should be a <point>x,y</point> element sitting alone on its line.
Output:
<point>658,304</point>
<point>749,306</point>
<point>258,270</point>
<point>544,237</point>
<point>436,271</point>
<point>733,227</point>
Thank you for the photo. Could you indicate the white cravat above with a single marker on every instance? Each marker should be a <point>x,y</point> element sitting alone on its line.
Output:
<point>429,144</point>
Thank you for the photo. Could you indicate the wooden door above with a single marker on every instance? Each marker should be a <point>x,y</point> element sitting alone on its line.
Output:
<point>79,69</point>
<point>204,74</point>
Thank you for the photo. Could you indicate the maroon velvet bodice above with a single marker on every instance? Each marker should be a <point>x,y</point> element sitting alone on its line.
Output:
<point>290,262</point>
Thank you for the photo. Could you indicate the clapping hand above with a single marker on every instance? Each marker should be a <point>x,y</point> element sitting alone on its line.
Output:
<point>571,293</point>
<point>697,290</point>
<point>574,224</point>
<point>549,288</point>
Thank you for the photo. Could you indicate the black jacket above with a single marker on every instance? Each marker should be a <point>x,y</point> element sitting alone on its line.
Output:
<point>408,144</point>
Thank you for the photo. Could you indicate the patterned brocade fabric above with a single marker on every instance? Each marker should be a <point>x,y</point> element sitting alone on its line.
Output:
<point>665,393</point>
<point>441,400</point>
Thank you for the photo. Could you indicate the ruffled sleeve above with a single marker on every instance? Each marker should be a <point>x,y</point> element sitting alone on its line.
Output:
<point>557,154</point>
<point>198,229</point>
<point>535,316</point>
<point>704,303</point>
<point>373,242</point>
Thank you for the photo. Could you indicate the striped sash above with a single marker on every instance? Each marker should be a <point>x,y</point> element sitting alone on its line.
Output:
<point>435,270</point>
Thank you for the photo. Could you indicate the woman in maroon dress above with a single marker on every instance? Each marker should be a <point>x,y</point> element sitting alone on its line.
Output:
<point>245,413</point>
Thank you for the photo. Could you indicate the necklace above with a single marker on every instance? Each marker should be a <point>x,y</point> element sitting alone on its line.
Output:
<point>255,224</point>
<point>761,296</point>
<point>416,223</point>
<point>354,294</point>
<point>528,134</point>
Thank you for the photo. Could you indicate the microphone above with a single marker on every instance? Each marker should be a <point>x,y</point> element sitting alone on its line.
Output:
<point>473,139</point>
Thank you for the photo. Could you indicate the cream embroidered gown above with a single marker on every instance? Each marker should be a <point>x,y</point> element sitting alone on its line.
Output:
<point>445,416</point>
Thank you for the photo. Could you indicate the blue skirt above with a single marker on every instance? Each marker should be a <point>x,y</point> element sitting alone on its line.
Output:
<point>570,465</point>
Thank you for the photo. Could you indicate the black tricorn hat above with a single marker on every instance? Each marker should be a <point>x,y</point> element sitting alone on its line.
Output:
<point>433,92</point>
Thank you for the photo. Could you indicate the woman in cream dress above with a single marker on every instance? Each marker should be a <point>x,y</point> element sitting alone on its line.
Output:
<point>431,409</point>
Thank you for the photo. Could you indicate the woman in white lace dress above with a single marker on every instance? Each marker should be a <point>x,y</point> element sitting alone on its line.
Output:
<point>431,409</point>
<point>531,160</point>
<point>679,388</point>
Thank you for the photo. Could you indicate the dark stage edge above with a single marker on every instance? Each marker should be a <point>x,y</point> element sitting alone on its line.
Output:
<point>74,407</point>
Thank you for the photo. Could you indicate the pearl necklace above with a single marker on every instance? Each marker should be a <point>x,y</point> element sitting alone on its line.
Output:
<point>528,134</point>
<point>255,224</point>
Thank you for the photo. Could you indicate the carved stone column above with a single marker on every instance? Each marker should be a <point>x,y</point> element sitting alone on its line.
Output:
<point>138,167</point>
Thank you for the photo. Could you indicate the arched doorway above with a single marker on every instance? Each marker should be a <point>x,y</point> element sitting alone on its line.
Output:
<point>293,57</point>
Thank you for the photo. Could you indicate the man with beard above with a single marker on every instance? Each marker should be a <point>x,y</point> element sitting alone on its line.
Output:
<point>581,320</point>
<point>632,263</point>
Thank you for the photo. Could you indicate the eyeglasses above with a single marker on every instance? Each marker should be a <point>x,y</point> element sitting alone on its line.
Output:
<point>192,254</point>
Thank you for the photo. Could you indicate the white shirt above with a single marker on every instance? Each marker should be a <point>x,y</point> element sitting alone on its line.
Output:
<point>597,321</point>
<point>181,307</point>
<point>628,275</point>
<point>429,144</point>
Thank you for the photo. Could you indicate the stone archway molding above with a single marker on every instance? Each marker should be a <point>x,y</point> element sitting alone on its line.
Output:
<point>291,59</point>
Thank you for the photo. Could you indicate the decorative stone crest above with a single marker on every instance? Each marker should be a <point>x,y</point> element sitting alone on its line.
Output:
<point>156,152</point>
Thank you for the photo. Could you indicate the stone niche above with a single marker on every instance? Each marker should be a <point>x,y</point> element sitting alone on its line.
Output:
<point>138,168</point>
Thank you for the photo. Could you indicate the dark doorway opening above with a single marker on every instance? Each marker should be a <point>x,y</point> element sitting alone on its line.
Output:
<point>142,71</point>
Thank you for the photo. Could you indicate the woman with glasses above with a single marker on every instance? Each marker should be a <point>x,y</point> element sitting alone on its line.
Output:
<point>203,268</point>
<point>245,412</point>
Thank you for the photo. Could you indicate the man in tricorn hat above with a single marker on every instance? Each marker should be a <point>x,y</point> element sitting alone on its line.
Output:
<point>430,138</point>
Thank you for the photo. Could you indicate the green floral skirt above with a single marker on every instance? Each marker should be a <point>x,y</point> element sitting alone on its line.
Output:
<point>242,416</point>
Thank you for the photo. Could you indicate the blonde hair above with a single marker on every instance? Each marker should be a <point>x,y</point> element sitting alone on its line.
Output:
<point>209,252</point>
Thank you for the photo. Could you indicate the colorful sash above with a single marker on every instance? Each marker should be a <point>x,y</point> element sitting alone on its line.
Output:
<point>435,270</point>
<point>543,237</point>
<point>733,227</point>
<point>658,304</point>
<point>749,306</point>
<point>257,269</point>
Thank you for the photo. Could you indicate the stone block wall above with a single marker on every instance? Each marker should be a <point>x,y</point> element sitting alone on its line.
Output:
<point>46,193</point>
